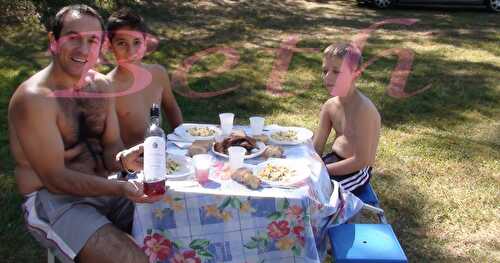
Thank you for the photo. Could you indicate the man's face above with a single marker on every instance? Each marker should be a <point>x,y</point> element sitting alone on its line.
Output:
<point>128,46</point>
<point>337,76</point>
<point>79,44</point>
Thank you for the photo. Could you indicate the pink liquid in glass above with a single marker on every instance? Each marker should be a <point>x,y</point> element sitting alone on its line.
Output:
<point>202,175</point>
<point>154,188</point>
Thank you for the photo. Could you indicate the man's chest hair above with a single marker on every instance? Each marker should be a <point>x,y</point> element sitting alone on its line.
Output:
<point>82,118</point>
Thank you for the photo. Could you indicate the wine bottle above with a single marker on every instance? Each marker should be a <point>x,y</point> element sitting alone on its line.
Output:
<point>154,155</point>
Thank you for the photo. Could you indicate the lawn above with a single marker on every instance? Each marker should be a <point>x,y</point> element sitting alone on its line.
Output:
<point>438,164</point>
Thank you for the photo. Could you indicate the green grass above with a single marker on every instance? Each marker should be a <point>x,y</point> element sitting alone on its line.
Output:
<point>437,169</point>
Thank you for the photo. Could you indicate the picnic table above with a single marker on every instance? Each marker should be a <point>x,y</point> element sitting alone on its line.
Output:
<point>224,221</point>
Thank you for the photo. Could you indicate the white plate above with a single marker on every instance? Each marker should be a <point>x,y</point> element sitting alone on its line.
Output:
<point>300,172</point>
<point>303,135</point>
<point>186,164</point>
<point>261,147</point>
<point>182,131</point>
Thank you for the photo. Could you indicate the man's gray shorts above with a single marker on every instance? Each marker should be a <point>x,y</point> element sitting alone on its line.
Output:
<point>64,223</point>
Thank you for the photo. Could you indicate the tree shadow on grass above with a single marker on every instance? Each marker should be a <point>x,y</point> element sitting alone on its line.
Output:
<point>405,207</point>
<point>244,21</point>
<point>451,25</point>
<point>458,86</point>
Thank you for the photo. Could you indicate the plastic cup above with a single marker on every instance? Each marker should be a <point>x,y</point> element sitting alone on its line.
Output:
<point>219,138</point>
<point>226,122</point>
<point>236,157</point>
<point>257,125</point>
<point>202,163</point>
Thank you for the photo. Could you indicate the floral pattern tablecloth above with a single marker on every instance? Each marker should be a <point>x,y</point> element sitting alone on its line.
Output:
<point>226,222</point>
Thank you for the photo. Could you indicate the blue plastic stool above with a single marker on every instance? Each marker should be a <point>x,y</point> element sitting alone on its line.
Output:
<point>367,195</point>
<point>358,243</point>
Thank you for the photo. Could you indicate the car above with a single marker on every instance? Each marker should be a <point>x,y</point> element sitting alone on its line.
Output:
<point>493,5</point>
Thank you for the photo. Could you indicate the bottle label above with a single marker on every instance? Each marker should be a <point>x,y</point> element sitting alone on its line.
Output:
<point>154,159</point>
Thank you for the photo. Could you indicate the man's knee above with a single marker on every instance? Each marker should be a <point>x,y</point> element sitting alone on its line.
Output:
<point>108,244</point>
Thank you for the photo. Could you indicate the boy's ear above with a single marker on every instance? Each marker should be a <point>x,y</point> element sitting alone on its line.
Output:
<point>152,43</point>
<point>357,73</point>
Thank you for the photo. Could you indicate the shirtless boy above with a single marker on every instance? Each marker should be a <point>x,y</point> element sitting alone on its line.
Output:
<point>64,148</point>
<point>352,116</point>
<point>127,35</point>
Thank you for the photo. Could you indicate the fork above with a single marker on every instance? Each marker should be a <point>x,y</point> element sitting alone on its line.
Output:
<point>181,145</point>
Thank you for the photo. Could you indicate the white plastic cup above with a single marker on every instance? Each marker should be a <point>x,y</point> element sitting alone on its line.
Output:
<point>226,122</point>
<point>257,125</point>
<point>219,138</point>
<point>236,157</point>
<point>202,163</point>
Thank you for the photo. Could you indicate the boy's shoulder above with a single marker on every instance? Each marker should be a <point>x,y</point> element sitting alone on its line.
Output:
<point>331,107</point>
<point>332,103</point>
<point>155,68</point>
<point>158,72</point>
<point>369,109</point>
<point>367,103</point>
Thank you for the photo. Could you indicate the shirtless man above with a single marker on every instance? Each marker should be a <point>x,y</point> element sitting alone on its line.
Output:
<point>64,146</point>
<point>127,35</point>
<point>352,116</point>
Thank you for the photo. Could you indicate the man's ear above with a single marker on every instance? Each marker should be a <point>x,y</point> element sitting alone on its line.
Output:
<point>105,50</point>
<point>105,45</point>
<point>52,43</point>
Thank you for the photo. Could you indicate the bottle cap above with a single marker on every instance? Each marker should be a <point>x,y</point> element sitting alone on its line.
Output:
<point>155,110</point>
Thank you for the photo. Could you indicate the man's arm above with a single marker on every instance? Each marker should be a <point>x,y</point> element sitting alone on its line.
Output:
<point>34,120</point>
<point>323,131</point>
<point>168,102</point>
<point>365,144</point>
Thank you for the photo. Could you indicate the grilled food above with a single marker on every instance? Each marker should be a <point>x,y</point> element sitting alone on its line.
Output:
<point>236,140</point>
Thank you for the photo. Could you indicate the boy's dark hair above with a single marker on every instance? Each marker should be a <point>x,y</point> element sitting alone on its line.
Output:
<point>125,18</point>
<point>58,22</point>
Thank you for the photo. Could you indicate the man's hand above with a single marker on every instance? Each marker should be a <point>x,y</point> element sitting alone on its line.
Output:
<point>132,159</point>
<point>134,191</point>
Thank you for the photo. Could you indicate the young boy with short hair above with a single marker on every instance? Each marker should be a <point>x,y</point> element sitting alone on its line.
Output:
<point>352,116</point>
<point>128,37</point>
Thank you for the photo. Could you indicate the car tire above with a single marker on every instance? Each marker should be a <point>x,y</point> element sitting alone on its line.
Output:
<point>493,5</point>
<point>383,4</point>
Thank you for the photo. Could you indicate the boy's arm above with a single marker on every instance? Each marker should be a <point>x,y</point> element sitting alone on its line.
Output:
<point>323,131</point>
<point>111,140</point>
<point>365,144</point>
<point>169,104</point>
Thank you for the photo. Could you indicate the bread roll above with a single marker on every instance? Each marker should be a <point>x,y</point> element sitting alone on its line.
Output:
<point>263,138</point>
<point>273,151</point>
<point>245,176</point>
<point>199,147</point>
